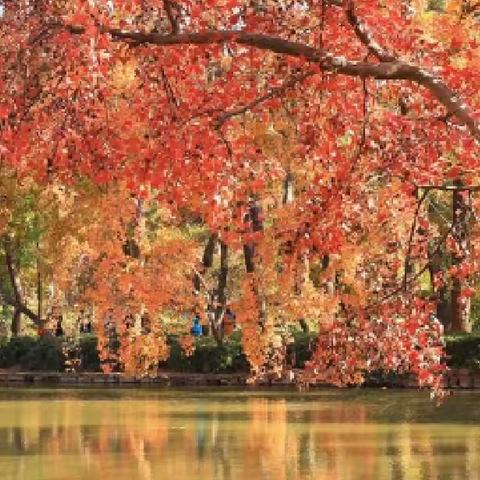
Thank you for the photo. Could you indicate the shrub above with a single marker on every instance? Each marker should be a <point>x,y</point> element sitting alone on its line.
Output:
<point>44,355</point>
<point>89,361</point>
<point>208,357</point>
<point>303,344</point>
<point>13,351</point>
<point>463,351</point>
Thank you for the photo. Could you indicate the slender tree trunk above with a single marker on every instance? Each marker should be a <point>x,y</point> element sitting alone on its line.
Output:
<point>17,302</point>
<point>16,322</point>
<point>41,326</point>
<point>254,219</point>
<point>302,272</point>
<point>16,287</point>
<point>441,294</point>
<point>461,305</point>
<point>221,295</point>
<point>207,261</point>
<point>288,189</point>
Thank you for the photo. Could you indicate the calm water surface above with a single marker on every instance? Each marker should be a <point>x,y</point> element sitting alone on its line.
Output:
<point>69,434</point>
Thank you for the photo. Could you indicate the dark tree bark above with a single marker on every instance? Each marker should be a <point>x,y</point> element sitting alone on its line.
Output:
<point>389,67</point>
<point>16,287</point>
<point>207,261</point>
<point>288,189</point>
<point>461,306</point>
<point>16,322</point>
<point>220,296</point>
<point>441,294</point>
<point>254,220</point>
<point>17,301</point>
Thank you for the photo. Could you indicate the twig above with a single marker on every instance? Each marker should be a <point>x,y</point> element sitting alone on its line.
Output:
<point>274,92</point>
<point>417,275</point>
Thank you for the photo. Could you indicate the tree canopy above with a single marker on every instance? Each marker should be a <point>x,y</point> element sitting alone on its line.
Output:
<point>306,136</point>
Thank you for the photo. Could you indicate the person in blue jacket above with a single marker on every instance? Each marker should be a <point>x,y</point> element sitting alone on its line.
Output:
<point>196,330</point>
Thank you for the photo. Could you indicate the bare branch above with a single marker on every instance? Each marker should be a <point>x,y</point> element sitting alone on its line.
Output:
<point>415,277</point>
<point>450,188</point>
<point>274,92</point>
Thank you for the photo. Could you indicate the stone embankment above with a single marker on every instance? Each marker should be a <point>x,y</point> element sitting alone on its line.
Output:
<point>173,379</point>
<point>454,379</point>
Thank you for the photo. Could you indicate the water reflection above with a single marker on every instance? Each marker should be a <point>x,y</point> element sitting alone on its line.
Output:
<point>223,436</point>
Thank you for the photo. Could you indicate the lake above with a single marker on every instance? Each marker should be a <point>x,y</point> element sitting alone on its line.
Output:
<point>217,434</point>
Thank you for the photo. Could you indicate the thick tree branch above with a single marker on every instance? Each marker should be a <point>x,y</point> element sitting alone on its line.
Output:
<point>20,307</point>
<point>450,188</point>
<point>17,302</point>
<point>385,70</point>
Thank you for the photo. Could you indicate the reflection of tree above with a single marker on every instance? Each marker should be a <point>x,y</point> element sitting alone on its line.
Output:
<point>228,439</point>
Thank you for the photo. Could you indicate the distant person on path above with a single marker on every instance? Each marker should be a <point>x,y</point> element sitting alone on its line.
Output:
<point>85,324</point>
<point>196,330</point>
<point>59,329</point>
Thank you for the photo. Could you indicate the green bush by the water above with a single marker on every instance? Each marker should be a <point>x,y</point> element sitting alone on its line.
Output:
<point>463,351</point>
<point>29,353</point>
<point>208,357</point>
<point>89,361</point>
<point>48,354</point>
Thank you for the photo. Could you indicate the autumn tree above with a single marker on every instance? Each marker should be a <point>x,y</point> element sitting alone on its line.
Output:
<point>380,99</point>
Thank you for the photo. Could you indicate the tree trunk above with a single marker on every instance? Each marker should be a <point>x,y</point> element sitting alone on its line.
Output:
<point>221,295</point>
<point>16,322</point>
<point>17,302</point>
<point>302,272</point>
<point>254,220</point>
<point>41,326</point>
<point>207,261</point>
<point>440,295</point>
<point>288,189</point>
<point>461,305</point>
<point>16,287</point>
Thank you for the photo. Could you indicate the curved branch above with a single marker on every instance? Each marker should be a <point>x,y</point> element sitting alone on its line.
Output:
<point>393,69</point>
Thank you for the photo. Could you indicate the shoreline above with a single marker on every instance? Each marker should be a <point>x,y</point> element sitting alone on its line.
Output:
<point>455,379</point>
